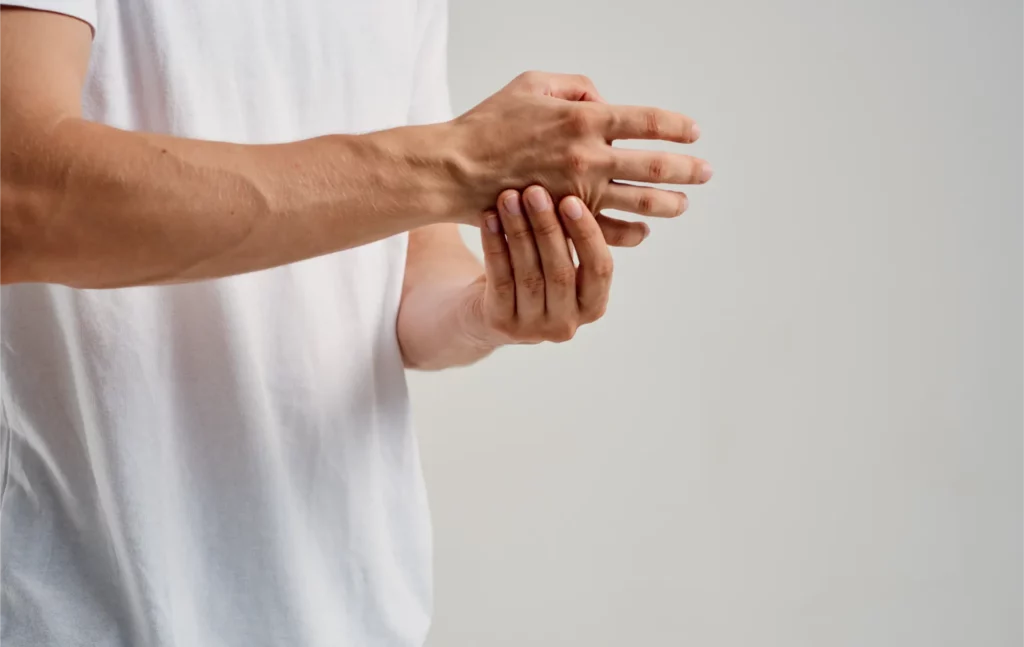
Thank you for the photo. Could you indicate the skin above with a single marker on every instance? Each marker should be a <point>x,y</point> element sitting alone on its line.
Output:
<point>530,290</point>
<point>91,206</point>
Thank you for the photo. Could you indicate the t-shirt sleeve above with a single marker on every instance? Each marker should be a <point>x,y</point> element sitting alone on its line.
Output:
<point>84,10</point>
<point>430,102</point>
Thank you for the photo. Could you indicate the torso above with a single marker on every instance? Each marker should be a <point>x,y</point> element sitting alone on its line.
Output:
<point>228,462</point>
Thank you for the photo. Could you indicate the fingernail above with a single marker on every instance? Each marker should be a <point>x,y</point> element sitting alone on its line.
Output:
<point>694,132</point>
<point>647,232</point>
<point>572,208</point>
<point>706,173</point>
<point>492,223</point>
<point>512,204</point>
<point>538,199</point>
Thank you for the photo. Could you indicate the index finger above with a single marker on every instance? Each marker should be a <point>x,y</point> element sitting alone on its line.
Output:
<point>636,122</point>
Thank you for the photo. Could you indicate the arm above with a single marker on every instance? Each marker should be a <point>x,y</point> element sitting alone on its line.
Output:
<point>440,275</point>
<point>93,206</point>
<point>453,312</point>
<point>89,205</point>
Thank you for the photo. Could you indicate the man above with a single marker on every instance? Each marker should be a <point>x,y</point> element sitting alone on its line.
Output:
<point>217,450</point>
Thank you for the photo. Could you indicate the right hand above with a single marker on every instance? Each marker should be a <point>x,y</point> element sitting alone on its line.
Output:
<point>531,290</point>
<point>555,131</point>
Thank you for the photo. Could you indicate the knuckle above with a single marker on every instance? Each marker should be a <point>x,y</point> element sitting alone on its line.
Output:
<point>563,276</point>
<point>657,168</point>
<point>533,283</point>
<point>584,159</point>
<point>529,77</point>
<point>644,204</point>
<point>547,228</point>
<point>652,126</point>
<point>505,287</point>
<point>580,161</point>
<point>496,253</point>
<point>520,235</point>
<point>579,121</point>
<point>604,269</point>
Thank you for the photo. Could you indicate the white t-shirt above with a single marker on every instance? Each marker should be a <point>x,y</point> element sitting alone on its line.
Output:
<point>228,462</point>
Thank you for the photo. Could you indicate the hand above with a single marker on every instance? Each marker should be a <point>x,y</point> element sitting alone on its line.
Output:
<point>531,290</point>
<point>536,130</point>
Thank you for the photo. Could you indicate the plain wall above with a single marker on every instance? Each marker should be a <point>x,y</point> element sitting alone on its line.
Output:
<point>800,423</point>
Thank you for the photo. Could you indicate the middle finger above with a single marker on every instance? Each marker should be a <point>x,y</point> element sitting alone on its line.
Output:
<point>555,259</point>
<point>526,266</point>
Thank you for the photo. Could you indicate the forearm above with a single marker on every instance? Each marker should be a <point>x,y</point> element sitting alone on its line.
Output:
<point>92,206</point>
<point>440,296</point>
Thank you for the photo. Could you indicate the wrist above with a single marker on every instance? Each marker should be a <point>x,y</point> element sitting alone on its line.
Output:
<point>471,320</point>
<point>424,171</point>
<point>443,328</point>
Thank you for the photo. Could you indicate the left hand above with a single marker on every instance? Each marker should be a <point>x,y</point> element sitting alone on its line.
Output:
<point>531,290</point>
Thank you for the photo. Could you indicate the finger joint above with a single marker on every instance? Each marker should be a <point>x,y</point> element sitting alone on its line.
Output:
<point>533,283</point>
<point>656,169</point>
<point>547,228</point>
<point>644,204</point>
<point>562,276</point>
<point>603,269</point>
<point>652,125</point>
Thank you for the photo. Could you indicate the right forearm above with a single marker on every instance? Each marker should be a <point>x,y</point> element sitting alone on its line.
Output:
<point>88,205</point>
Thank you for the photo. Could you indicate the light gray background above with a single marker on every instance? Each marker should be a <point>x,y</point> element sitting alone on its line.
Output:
<point>800,423</point>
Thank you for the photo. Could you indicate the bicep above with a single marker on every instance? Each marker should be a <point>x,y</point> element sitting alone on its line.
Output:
<point>43,60</point>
